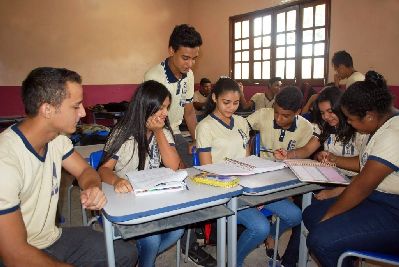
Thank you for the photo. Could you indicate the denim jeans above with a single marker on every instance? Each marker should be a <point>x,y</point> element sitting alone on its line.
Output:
<point>373,225</point>
<point>289,213</point>
<point>257,230</point>
<point>82,246</point>
<point>150,246</point>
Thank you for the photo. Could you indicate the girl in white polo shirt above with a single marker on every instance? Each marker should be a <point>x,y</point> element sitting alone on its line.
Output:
<point>222,134</point>
<point>142,139</point>
<point>366,215</point>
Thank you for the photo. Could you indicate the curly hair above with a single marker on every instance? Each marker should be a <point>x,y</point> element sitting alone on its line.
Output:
<point>372,94</point>
<point>186,36</point>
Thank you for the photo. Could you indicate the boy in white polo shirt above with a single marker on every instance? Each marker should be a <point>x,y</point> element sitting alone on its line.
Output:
<point>32,154</point>
<point>282,126</point>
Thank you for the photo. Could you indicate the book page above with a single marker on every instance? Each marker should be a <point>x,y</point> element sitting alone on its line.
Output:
<point>152,178</point>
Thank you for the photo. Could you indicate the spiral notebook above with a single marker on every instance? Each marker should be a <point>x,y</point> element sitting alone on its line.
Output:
<point>243,166</point>
<point>154,181</point>
<point>312,171</point>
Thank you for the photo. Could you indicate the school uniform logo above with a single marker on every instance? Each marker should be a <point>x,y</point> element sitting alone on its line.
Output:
<point>155,155</point>
<point>364,158</point>
<point>183,99</point>
<point>291,145</point>
<point>244,137</point>
<point>54,182</point>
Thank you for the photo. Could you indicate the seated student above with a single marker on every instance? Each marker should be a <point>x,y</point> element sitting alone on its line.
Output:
<point>142,139</point>
<point>32,154</point>
<point>262,100</point>
<point>333,132</point>
<point>336,136</point>
<point>282,127</point>
<point>365,216</point>
<point>201,97</point>
<point>343,67</point>
<point>222,134</point>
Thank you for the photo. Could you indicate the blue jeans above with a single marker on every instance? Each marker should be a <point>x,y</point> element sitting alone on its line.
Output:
<point>373,225</point>
<point>289,213</point>
<point>257,230</point>
<point>151,245</point>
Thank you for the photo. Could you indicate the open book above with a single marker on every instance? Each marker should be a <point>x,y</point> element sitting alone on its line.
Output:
<point>158,180</point>
<point>308,170</point>
<point>244,166</point>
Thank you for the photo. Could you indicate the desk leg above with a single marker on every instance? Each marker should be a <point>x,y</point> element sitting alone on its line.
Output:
<point>221,247</point>
<point>232,234</point>
<point>109,242</point>
<point>303,250</point>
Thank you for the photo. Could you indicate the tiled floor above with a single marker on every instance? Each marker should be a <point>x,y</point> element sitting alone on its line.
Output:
<point>256,259</point>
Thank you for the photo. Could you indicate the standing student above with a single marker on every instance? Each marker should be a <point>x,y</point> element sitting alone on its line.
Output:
<point>32,154</point>
<point>176,74</point>
<point>330,131</point>
<point>365,216</point>
<point>222,134</point>
<point>343,67</point>
<point>281,127</point>
<point>262,100</point>
<point>141,140</point>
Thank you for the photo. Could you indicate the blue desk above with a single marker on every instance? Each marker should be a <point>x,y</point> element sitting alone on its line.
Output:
<point>127,209</point>
<point>262,188</point>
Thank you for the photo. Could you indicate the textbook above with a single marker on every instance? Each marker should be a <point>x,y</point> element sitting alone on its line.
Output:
<point>243,166</point>
<point>308,170</point>
<point>159,180</point>
<point>216,180</point>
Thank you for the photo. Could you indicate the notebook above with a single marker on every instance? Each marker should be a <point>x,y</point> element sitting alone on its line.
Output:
<point>159,180</point>
<point>308,170</point>
<point>216,180</point>
<point>243,166</point>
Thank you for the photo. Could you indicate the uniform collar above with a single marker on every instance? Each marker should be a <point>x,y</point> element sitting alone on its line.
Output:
<point>169,74</point>
<point>292,128</point>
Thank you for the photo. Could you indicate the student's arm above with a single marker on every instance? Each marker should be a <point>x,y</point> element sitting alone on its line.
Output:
<point>169,155</point>
<point>347,163</point>
<point>309,104</point>
<point>360,188</point>
<point>108,176</point>
<point>15,250</point>
<point>299,153</point>
<point>89,181</point>
<point>191,120</point>
<point>199,105</point>
<point>205,158</point>
<point>243,102</point>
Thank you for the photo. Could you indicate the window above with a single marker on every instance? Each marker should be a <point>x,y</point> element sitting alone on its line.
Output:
<point>289,41</point>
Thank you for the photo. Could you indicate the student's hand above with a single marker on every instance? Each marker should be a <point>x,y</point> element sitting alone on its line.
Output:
<point>326,157</point>
<point>155,123</point>
<point>93,198</point>
<point>122,186</point>
<point>280,154</point>
<point>241,87</point>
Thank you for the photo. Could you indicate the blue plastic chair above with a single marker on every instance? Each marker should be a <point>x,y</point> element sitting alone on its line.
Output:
<point>375,256</point>
<point>256,149</point>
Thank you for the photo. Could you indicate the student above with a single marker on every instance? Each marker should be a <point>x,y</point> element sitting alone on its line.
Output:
<point>365,216</point>
<point>32,154</point>
<point>332,132</point>
<point>141,140</point>
<point>281,127</point>
<point>222,134</point>
<point>201,97</point>
<point>176,74</point>
<point>343,67</point>
<point>262,100</point>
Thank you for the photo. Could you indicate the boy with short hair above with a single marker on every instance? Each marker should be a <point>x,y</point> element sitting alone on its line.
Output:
<point>343,67</point>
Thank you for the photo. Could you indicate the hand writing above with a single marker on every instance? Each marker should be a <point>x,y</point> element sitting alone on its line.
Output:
<point>280,154</point>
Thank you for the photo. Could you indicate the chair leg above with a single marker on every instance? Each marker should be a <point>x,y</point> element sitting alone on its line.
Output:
<point>178,247</point>
<point>69,196</point>
<point>187,244</point>
<point>84,217</point>
<point>276,241</point>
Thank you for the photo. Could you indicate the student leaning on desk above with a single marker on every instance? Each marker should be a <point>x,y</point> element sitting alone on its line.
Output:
<point>365,216</point>
<point>142,139</point>
<point>32,154</point>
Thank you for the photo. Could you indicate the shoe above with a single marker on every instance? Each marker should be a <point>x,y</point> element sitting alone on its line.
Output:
<point>270,263</point>
<point>270,254</point>
<point>200,256</point>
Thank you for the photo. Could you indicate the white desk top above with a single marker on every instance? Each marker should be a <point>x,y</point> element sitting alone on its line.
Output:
<point>130,209</point>
<point>269,182</point>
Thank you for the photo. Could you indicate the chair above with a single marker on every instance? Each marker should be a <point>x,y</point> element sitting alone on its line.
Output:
<point>256,151</point>
<point>375,256</point>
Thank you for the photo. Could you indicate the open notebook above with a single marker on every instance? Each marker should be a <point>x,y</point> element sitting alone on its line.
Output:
<point>158,180</point>
<point>308,170</point>
<point>243,166</point>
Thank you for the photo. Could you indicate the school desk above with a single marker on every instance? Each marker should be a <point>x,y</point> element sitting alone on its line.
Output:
<point>263,188</point>
<point>153,213</point>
